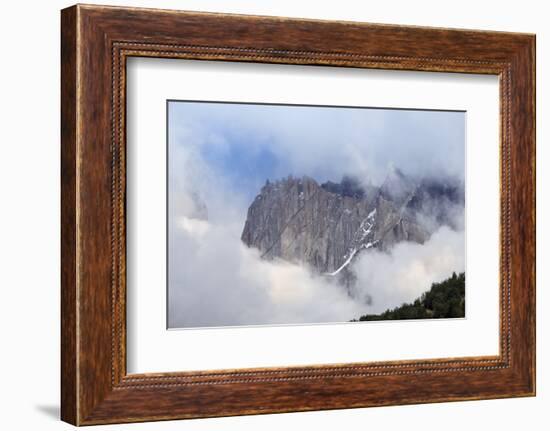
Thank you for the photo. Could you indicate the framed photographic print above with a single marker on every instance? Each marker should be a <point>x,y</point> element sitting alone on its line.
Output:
<point>266,215</point>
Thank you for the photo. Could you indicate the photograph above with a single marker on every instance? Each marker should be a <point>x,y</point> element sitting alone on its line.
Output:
<point>284,214</point>
<point>281,211</point>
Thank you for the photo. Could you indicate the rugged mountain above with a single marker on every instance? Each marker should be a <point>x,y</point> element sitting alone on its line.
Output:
<point>326,225</point>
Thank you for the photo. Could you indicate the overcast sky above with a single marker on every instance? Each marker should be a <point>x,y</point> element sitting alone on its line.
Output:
<point>221,154</point>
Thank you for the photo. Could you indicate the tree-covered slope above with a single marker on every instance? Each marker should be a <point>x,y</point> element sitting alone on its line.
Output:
<point>444,300</point>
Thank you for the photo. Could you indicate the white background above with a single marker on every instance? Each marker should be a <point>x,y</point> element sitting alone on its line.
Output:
<point>153,349</point>
<point>29,218</point>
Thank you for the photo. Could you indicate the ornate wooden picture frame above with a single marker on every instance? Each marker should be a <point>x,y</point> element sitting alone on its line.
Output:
<point>96,41</point>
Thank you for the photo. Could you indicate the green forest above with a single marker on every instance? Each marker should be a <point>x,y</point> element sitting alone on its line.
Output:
<point>444,300</point>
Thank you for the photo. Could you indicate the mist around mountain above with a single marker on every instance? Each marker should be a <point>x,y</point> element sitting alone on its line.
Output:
<point>311,252</point>
<point>328,226</point>
<point>382,219</point>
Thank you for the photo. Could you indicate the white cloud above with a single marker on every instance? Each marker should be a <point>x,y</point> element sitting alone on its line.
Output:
<point>215,280</point>
<point>403,274</point>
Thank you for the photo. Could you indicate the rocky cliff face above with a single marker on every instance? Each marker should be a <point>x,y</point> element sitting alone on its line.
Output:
<point>326,226</point>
